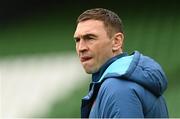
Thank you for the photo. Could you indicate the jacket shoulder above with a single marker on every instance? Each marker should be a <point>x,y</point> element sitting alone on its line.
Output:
<point>116,85</point>
<point>116,98</point>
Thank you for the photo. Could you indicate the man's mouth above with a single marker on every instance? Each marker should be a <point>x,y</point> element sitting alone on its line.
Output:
<point>86,58</point>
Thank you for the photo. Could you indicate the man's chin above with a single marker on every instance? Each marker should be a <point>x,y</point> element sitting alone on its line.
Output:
<point>90,71</point>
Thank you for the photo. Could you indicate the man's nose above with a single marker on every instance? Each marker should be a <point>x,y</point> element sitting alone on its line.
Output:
<point>82,46</point>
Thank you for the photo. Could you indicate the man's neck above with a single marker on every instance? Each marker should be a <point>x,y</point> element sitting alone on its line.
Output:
<point>96,76</point>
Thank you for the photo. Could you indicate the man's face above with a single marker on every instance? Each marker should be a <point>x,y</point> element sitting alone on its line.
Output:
<point>93,45</point>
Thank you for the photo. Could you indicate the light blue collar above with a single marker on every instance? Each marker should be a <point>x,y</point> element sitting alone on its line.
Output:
<point>120,66</point>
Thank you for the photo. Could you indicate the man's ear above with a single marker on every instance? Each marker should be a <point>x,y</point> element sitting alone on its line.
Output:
<point>117,42</point>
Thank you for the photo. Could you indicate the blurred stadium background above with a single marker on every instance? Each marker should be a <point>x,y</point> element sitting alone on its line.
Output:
<point>40,75</point>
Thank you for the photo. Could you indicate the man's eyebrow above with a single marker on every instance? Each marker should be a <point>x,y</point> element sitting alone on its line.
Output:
<point>85,36</point>
<point>88,35</point>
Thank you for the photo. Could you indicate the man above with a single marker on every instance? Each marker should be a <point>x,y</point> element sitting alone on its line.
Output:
<point>122,85</point>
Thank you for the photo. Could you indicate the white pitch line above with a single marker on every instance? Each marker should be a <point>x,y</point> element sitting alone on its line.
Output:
<point>29,84</point>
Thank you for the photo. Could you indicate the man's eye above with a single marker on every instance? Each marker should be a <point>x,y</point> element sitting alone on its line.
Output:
<point>90,38</point>
<point>77,40</point>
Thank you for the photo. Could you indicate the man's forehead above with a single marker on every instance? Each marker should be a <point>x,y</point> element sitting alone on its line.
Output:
<point>82,33</point>
<point>88,27</point>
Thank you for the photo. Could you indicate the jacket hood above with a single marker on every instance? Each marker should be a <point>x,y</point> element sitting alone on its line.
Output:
<point>140,69</point>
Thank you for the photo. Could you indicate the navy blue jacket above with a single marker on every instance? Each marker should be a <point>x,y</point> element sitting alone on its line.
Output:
<point>127,86</point>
